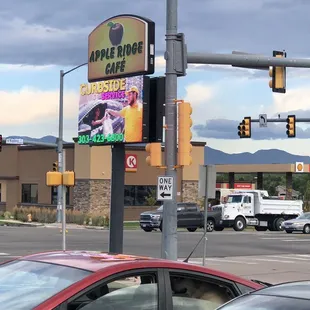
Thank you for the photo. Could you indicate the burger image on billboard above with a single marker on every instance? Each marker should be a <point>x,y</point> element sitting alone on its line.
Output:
<point>116,33</point>
<point>122,46</point>
<point>112,112</point>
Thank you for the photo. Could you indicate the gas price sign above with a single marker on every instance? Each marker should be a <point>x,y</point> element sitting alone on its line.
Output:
<point>114,111</point>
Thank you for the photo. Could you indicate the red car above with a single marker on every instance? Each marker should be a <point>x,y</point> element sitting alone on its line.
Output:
<point>87,280</point>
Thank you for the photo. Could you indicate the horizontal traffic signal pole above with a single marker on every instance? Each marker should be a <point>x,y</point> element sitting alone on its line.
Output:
<point>246,60</point>
<point>281,120</point>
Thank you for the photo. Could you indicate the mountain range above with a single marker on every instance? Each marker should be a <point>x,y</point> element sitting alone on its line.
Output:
<point>216,157</point>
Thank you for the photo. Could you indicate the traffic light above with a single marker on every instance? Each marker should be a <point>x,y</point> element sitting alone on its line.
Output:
<point>245,128</point>
<point>0,143</point>
<point>155,155</point>
<point>55,166</point>
<point>53,178</point>
<point>184,134</point>
<point>68,178</point>
<point>278,75</point>
<point>291,126</point>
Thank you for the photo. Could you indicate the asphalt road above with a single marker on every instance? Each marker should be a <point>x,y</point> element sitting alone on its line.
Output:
<point>24,240</point>
<point>267,256</point>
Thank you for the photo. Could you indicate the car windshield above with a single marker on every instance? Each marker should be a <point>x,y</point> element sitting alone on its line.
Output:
<point>304,216</point>
<point>234,199</point>
<point>26,284</point>
<point>262,302</point>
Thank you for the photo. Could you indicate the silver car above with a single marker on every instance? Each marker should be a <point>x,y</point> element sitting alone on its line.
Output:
<point>300,223</point>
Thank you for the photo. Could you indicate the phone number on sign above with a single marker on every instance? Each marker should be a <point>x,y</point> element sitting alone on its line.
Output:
<point>100,138</point>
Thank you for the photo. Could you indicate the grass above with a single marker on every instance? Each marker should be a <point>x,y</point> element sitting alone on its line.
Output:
<point>131,225</point>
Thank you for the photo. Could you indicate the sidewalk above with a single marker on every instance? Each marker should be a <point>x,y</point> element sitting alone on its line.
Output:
<point>15,223</point>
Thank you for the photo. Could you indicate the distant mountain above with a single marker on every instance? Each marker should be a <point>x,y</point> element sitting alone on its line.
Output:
<point>45,139</point>
<point>273,156</point>
<point>216,157</point>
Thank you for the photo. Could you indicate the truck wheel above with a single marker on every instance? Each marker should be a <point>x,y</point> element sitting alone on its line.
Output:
<point>260,228</point>
<point>191,229</point>
<point>210,225</point>
<point>277,224</point>
<point>271,226</point>
<point>147,229</point>
<point>239,224</point>
<point>306,229</point>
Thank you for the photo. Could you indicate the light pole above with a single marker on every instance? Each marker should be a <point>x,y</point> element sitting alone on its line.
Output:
<point>61,190</point>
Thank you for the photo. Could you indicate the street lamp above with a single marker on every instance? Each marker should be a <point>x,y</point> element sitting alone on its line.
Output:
<point>61,191</point>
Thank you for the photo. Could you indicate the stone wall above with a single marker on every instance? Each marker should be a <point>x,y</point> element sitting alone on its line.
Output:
<point>92,196</point>
<point>190,191</point>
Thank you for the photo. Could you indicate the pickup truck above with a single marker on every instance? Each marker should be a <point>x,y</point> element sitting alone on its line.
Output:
<point>189,216</point>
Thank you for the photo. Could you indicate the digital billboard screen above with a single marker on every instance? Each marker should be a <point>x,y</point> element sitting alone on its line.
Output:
<point>114,111</point>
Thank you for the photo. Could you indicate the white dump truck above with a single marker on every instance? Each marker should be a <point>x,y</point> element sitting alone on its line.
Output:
<point>256,208</point>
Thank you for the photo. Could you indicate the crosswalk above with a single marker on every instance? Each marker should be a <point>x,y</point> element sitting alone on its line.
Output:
<point>285,238</point>
<point>286,259</point>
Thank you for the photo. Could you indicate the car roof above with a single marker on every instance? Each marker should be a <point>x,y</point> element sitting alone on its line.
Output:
<point>95,261</point>
<point>87,260</point>
<point>296,289</point>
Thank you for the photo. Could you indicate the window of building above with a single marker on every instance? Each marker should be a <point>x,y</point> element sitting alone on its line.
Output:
<point>54,195</point>
<point>140,195</point>
<point>29,193</point>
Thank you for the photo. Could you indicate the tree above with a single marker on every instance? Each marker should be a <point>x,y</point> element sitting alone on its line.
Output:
<point>307,197</point>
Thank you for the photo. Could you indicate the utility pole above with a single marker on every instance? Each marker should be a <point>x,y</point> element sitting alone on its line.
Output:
<point>169,234</point>
<point>61,189</point>
<point>60,146</point>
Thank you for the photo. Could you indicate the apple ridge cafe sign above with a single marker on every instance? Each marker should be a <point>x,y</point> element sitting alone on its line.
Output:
<point>122,46</point>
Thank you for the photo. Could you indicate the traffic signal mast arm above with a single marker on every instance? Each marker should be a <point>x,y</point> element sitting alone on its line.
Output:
<point>290,121</point>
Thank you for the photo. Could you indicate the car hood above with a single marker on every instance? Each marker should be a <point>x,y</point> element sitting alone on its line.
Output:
<point>151,212</point>
<point>297,221</point>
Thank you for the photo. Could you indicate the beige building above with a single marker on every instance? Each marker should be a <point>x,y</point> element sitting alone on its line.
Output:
<point>23,170</point>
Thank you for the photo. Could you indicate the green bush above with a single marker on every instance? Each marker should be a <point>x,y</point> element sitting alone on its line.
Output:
<point>47,216</point>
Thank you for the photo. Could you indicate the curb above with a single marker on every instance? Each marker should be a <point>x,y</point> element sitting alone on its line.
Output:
<point>20,224</point>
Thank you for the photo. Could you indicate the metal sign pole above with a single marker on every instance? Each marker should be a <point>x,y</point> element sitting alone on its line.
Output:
<point>169,235</point>
<point>205,239</point>
<point>64,196</point>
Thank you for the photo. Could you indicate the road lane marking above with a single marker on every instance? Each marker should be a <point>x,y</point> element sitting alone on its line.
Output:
<point>295,240</point>
<point>290,257</point>
<point>224,260</point>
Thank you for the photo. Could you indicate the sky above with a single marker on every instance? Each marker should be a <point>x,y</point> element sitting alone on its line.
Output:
<point>40,38</point>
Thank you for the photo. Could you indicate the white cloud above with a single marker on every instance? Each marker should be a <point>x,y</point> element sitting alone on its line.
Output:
<point>28,68</point>
<point>33,105</point>
<point>294,99</point>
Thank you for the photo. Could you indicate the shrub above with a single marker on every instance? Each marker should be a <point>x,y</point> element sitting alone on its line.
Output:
<point>48,215</point>
<point>7,215</point>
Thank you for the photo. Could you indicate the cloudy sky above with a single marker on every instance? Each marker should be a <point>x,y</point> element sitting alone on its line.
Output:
<point>42,37</point>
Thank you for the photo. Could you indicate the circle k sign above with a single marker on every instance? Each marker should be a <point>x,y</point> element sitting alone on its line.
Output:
<point>131,163</point>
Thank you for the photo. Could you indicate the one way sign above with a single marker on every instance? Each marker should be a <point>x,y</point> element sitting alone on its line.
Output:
<point>164,188</point>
